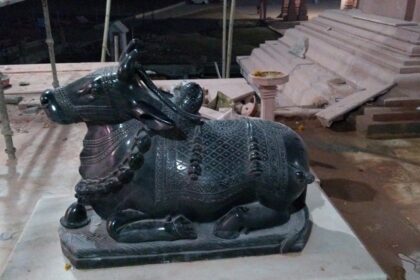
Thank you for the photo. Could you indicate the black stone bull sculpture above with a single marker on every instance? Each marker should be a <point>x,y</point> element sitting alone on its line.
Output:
<point>152,168</point>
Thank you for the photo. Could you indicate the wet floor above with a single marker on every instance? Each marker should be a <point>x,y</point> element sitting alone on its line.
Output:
<point>375,184</point>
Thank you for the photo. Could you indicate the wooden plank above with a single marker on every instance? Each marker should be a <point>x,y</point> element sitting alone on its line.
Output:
<point>337,110</point>
<point>402,102</point>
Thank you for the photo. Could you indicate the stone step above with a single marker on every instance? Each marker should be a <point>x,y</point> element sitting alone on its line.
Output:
<point>250,64</point>
<point>405,34</point>
<point>296,84</point>
<point>272,51</point>
<point>280,51</point>
<point>338,110</point>
<point>381,40</point>
<point>393,66</point>
<point>402,102</point>
<point>246,64</point>
<point>359,43</point>
<point>278,55</point>
<point>308,84</point>
<point>387,129</point>
<point>269,63</point>
<point>355,69</point>
<point>335,43</point>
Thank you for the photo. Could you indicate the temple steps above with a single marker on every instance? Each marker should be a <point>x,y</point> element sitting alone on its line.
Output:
<point>360,51</point>
<point>331,55</point>
<point>368,46</point>
<point>382,41</point>
<point>407,34</point>
<point>379,58</point>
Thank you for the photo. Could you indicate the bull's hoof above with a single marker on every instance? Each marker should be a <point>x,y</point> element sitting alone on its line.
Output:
<point>231,225</point>
<point>181,228</point>
<point>75,216</point>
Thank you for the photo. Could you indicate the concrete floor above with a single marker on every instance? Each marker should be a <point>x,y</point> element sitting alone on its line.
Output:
<point>375,184</point>
<point>43,150</point>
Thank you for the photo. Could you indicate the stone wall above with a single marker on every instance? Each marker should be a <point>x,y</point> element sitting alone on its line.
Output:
<point>400,9</point>
<point>416,12</point>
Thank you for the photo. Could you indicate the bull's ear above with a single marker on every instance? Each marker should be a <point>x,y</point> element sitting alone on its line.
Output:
<point>127,68</point>
<point>134,44</point>
<point>152,118</point>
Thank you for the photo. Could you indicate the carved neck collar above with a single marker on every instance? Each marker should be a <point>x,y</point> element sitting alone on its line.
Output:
<point>123,172</point>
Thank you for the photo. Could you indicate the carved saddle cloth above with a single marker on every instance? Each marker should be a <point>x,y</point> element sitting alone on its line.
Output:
<point>230,155</point>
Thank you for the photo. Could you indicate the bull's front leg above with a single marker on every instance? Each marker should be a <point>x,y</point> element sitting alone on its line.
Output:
<point>132,226</point>
<point>249,217</point>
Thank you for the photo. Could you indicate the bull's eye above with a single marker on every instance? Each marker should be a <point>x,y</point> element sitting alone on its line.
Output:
<point>85,90</point>
<point>90,97</point>
<point>300,176</point>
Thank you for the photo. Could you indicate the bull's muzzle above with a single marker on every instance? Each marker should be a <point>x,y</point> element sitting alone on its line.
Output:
<point>46,97</point>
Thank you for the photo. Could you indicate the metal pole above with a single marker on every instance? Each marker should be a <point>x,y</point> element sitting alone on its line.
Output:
<point>50,42</point>
<point>230,37</point>
<point>106,29</point>
<point>116,49</point>
<point>6,130</point>
<point>224,39</point>
<point>217,70</point>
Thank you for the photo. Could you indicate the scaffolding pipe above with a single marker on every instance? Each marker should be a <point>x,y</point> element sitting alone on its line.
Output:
<point>50,42</point>
<point>116,48</point>
<point>230,37</point>
<point>224,39</point>
<point>6,130</point>
<point>106,30</point>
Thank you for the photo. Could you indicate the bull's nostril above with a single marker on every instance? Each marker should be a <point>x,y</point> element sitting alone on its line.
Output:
<point>45,97</point>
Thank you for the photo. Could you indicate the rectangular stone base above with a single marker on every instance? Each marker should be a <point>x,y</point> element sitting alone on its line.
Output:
<point>332,252</point>
<point>91,246</point>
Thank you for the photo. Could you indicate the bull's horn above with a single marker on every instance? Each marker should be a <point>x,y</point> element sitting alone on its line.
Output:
<point>162,95</point>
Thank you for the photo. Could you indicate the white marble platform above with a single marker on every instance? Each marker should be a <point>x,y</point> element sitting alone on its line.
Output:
<point>333,252</point>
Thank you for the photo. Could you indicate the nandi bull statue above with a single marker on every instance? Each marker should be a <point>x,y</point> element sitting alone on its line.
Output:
<point>166,185</point>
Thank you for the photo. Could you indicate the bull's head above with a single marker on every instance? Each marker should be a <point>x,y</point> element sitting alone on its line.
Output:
<point>114,95</point>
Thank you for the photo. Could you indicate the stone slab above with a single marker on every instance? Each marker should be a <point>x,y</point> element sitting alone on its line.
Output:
<point>92,247</point>
<point>387,8</point>
<point>332,252</point>
<point>387,129</point>
<point>380,19</point>
<point>336,111</point>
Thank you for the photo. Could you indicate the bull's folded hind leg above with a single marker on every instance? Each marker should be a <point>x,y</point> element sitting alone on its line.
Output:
<point>247,218</point>
<point>132,226</point>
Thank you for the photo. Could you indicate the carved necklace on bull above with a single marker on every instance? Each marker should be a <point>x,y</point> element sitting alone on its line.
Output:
<point>124,172</point>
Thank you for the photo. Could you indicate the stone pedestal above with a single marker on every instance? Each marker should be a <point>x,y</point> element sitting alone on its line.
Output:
<point>92,247</point>
<point>268,103</point>
<point>266,83</point>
